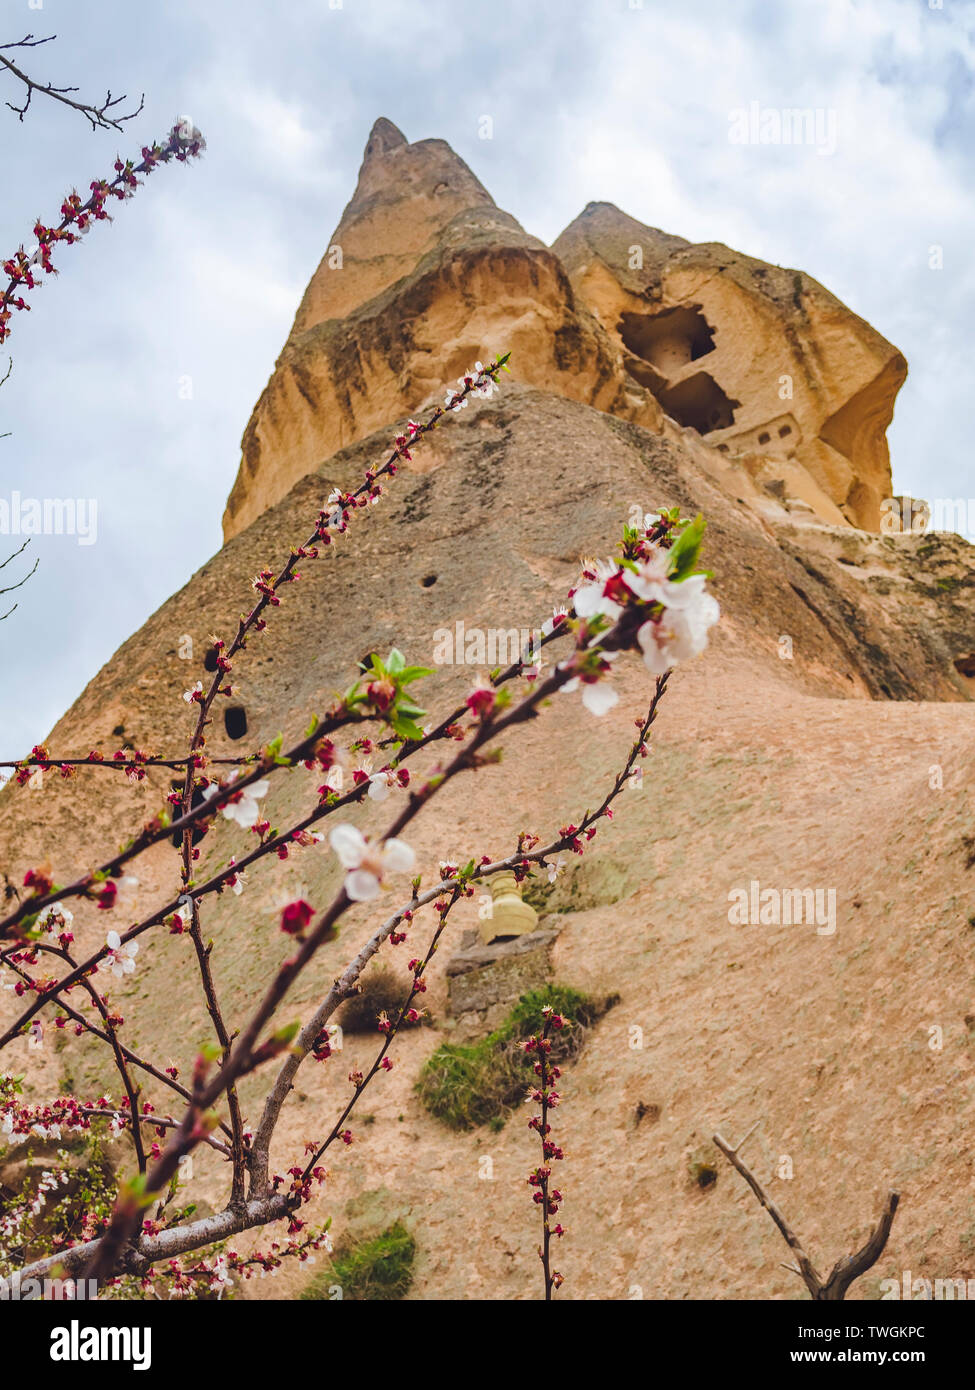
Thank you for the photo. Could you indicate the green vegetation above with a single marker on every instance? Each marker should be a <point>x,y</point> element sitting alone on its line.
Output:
<point>378,1269</point>
<point>471,1084</point>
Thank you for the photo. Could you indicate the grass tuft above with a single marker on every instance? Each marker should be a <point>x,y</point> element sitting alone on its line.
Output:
<point>380,1269</point>
<point>470,1084</point>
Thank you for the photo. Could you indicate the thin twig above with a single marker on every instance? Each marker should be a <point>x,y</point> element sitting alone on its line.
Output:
<point>97,116</point>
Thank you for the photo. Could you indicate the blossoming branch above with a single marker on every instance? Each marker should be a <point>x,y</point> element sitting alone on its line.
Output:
<point>23,269</point>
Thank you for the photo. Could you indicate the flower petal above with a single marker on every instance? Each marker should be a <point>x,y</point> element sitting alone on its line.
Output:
<point>398,858</point>
<point>599,698</point>
<point>349,844</point>
<point>361,885</point>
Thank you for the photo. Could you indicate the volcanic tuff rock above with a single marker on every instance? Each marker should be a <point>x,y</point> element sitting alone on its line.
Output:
<point>765,362</point>
<point>424,273</point>
<point>800,751</point>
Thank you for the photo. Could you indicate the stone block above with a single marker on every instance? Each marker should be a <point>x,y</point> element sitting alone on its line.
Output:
<point>479,976</point>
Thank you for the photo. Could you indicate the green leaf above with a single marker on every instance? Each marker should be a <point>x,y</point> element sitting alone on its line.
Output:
<point>395,662</point>
<point>686,548</point>
<point>405,728</point>
<point>408,708</point>
<point>413,673</point>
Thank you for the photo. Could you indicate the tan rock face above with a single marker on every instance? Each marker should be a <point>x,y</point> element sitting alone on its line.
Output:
<point>763,362</point>
<point>823,736</point>
<point>425,274</point>
<point>812,770</point>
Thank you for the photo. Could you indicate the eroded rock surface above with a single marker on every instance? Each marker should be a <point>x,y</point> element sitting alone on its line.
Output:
<point>425,274</point>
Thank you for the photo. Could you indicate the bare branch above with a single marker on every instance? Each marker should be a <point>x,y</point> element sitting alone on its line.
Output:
<point>20,583</point>
<point>848,1267</point>
<point>100,117</point>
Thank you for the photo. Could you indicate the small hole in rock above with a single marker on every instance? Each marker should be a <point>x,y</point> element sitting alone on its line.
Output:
<point>210,660</point>
<point>784,430</point>
<point>706,1176</point>
<point>429,581</point>
<point>764,437</point>
<point>235,721</point>
<point>198,799</point>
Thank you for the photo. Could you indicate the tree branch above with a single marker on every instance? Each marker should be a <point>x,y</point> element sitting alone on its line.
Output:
<point>100,117</point>
<point>848,1267</point>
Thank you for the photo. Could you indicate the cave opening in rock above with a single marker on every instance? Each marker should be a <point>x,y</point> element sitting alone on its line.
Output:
<point>668,340</point>
<point>197,800</point>
<point>235,721</point>
<point>698,401</point>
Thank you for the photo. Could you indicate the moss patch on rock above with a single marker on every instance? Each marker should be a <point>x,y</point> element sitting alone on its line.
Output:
<point>471,1084</point>
<point>380,1269</point>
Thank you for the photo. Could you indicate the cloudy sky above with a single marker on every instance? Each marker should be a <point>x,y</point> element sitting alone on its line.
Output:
<point>617,100</point>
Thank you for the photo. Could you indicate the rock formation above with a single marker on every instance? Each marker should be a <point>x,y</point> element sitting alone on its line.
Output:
<point>793,380</point>
<point>823,739</point>
<point>424,272</point>
<point>381,331</point>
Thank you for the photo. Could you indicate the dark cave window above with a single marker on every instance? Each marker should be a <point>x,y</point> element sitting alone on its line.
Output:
<point>235,721</point>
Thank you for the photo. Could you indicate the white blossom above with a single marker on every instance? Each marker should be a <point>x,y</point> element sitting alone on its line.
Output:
<point>367,864</point>
<point>121,959</point>
<point>485,386</point>
<point>244,811</point>
<point>550,624</point>
<point>555,869</point>
<point>52,917</point>
<point>599,696</point>
<point>682,629</point>
<point>590,598</point>
<point>378,786</point>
